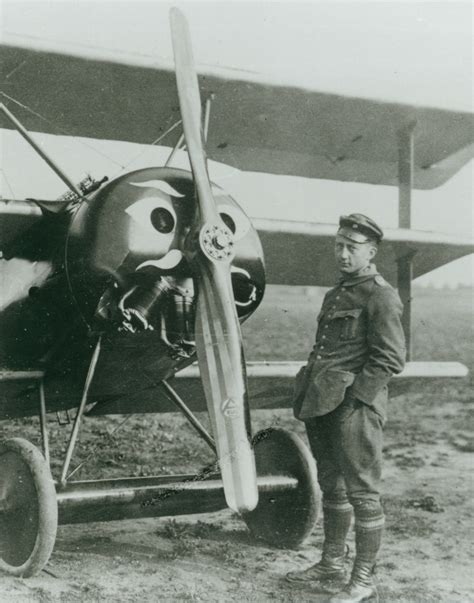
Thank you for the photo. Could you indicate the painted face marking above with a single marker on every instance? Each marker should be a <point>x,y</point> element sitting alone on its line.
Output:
<point>159,185</point>
<point>153,214</point>
<point>170,260</point>
<point>239,224</point>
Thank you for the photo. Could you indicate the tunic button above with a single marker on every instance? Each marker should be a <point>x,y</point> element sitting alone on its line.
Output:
<point>324,337</point>
<point>337,297</point>
<point>326,326</point>
<point>321,347</point>
<point>318,357</point>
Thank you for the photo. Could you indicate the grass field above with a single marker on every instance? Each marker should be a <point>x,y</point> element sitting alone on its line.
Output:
<point>428,467</point>
<point>284,326</point>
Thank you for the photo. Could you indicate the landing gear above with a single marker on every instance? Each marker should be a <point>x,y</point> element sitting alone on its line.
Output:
<point>284,519</point>
<point>28,509</point>
<point>288,493</point>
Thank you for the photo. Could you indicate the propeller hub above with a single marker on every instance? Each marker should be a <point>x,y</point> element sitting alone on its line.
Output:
<point>217,242</point>
<point>220,241</point>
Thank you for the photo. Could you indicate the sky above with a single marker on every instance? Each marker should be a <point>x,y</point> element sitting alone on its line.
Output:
<point>418,53</point>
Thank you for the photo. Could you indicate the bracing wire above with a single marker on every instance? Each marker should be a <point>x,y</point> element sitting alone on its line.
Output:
<point>93,452</point>
<point>89,146</point>
<point>60,129</point>
<point>155,142</point>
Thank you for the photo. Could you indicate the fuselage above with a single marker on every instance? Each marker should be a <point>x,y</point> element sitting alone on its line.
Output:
<point>115,263</point>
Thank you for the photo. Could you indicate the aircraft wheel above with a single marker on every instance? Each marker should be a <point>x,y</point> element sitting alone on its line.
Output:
<point>284,519</point>
<point>28,509</point>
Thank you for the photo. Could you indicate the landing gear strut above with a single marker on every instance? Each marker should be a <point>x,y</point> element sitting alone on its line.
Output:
<point>29,504</point>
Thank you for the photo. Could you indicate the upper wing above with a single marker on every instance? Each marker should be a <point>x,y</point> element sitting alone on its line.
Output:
<point>257,124</point>
<point>301,253</point>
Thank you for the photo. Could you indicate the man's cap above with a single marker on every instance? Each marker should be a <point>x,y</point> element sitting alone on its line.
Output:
<point>359,228</point>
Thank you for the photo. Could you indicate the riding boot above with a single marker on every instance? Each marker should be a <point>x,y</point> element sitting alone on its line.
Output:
<point>337,521</point>
<point>361,586</point>
<point>369,522</point>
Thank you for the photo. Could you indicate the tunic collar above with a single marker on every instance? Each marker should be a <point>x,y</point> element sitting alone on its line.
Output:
<point>360,276</point>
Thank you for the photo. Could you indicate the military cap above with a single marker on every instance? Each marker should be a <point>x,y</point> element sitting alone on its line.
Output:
<point>359,228</point>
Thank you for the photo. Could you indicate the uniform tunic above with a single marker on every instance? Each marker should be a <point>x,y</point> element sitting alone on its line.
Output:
<point>341,394</point>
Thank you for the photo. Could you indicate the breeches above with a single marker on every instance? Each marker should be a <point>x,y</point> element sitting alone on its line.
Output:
<point>347,446</point>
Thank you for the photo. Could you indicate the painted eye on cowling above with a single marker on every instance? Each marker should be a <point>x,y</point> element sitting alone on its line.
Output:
<point>162,220</point>
<point>235,219</point>
<point>154,214</point>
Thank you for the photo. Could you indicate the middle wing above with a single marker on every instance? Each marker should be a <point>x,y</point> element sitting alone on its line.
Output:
<point>301,253</point>
<point>296,253</point>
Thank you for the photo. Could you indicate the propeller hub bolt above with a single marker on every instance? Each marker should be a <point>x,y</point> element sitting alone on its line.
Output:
<point>217,242</point>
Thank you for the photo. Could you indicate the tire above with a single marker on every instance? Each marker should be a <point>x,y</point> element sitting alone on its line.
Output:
<point>28,509</point>
<point>284,519</point>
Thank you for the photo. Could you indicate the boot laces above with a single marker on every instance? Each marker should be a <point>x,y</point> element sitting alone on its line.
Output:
<point>362,574</point>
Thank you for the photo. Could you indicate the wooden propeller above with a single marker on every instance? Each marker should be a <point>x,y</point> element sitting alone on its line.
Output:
<point>209,248</point>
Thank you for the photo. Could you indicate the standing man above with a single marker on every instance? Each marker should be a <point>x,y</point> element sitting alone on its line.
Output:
<point>341,395</point>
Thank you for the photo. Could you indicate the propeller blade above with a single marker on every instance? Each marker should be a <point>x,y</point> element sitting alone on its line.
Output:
<point>222,367</point>
<point>217,329</point>
<point>191,112</point>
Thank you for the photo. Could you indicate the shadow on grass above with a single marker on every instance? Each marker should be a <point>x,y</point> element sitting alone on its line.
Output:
<point>225,544</point>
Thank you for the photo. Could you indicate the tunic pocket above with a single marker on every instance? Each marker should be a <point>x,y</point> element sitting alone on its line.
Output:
<point>349,320</point>
<point>325,391</point>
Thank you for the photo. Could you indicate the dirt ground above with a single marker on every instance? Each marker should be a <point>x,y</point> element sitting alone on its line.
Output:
<point>428,493</point>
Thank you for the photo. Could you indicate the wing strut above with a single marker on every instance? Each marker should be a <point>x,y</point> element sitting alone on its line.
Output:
<point>405,188</point>
<point>54,166</point>
<point>181,144</point>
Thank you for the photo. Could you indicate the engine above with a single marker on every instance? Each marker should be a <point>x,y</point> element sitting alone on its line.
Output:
<point>126,261</point>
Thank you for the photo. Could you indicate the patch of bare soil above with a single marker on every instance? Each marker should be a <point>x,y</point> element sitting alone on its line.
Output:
<point>426,556</point>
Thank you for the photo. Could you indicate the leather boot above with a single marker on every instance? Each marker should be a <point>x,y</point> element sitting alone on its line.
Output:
<point>361,586</point>
<point>328,569</point>
<point>337,521</point>
<point>369,522</point>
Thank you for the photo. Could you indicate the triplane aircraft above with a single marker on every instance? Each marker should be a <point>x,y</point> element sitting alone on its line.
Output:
<point>128,281</point>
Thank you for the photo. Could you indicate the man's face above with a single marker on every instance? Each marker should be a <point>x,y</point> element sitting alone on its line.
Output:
<point>352,257</point>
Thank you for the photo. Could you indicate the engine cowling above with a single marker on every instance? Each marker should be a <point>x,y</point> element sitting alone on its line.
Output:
<point>125,254</point>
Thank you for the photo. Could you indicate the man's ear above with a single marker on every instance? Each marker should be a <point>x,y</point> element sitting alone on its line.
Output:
<point>373,251</point>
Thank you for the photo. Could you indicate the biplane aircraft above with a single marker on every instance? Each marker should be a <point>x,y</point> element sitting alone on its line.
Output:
<point>128,281</point>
